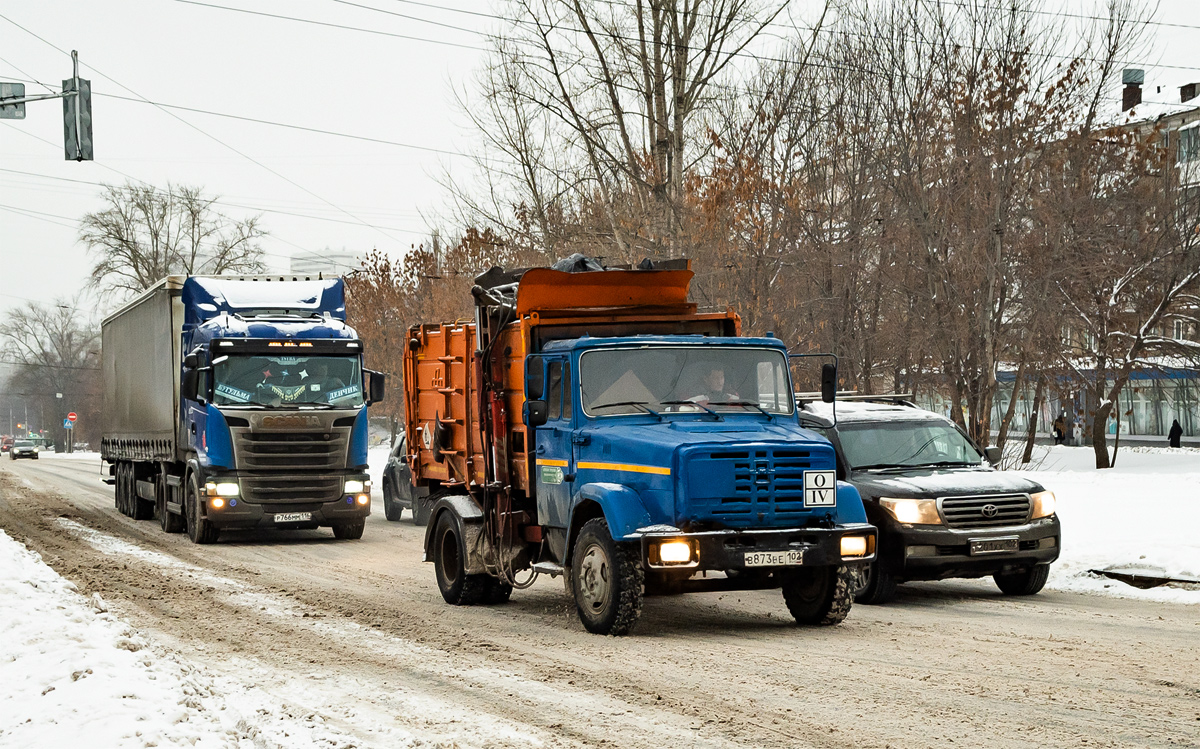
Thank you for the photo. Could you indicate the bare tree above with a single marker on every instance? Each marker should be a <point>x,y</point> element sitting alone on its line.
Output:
<point>144,234</point>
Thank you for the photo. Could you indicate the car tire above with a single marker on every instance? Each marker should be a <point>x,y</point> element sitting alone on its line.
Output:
<point>607,580</point>
<point>450,565</point>
<point>391,510</point>
<point>819,595</point>
<point>349,531</point>
<point>1024,583</point>
<point>875,584</point>
<point>199,529</point>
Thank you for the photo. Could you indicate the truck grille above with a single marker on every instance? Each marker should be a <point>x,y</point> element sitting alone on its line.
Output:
<point>748,487</point>
<point>301,451</point>
<point>985,511</point>
<point>289,488</point>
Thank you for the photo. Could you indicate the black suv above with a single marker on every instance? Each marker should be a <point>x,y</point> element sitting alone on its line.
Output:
<point>941,510</point>
<point>398,492</point>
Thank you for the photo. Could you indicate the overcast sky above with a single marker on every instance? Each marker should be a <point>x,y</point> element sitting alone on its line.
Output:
<point>314,190</point>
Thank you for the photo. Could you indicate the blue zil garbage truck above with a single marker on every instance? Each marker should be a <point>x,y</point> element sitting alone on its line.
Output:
<point>596,425</point>
<point>237,403</point>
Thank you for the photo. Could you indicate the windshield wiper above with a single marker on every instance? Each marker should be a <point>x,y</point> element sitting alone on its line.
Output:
<point>640,404</point>
<point>883,466</point>
<point>751,404</point>
<point>716,416</point>
<point>946,463</point>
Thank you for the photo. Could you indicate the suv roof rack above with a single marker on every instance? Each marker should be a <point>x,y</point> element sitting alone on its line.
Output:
<point>899,399</point>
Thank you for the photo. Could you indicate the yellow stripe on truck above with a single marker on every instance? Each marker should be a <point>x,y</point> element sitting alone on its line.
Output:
<point>656,470</point>
<point>551,462</point>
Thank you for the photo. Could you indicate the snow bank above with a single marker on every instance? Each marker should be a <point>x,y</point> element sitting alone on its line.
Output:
<point>1140,515</point>
<point>72,675</point>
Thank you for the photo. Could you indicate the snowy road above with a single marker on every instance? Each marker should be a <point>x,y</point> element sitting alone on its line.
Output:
<point>317,642</point>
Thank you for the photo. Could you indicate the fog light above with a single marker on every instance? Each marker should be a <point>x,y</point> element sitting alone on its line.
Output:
<point>353,486</point>
<point>675,552</point>
<point>216,503</point>
<point>227,489</point>
<point>363,499</point>
<point>854,546</point>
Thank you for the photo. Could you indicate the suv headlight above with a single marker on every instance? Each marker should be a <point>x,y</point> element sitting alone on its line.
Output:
<point>1043,504</point>
<point>912,511</point>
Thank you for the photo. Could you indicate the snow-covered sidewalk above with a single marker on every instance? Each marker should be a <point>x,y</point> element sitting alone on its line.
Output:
<point>1141,515</point>
<point>70,670</point>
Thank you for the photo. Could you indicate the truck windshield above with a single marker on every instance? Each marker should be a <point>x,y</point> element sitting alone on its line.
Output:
<point>896,444</point>
<point>685,379</point>
<point>243,380</point>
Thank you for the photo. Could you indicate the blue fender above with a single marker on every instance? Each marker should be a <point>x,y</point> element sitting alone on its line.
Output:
<point>623,508</point>
<point>358,440</point>
<point>849,504</point>
<point>218,442</point>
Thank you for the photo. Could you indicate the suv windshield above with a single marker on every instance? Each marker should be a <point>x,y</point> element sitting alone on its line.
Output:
<point>905,443</point>
<point>240,380</point>
<point>688,379</point>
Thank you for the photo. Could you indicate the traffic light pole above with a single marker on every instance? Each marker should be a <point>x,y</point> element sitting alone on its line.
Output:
<point>79,90</point>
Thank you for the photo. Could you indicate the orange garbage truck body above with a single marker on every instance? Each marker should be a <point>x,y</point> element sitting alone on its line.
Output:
<point>505,431</point>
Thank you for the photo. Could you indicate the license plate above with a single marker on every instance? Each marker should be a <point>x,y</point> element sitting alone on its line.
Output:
<point>1006,545</point>
<point>773,558</point>
<point>293,517</point>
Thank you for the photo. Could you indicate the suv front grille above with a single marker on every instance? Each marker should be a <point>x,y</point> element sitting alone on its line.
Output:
<point>985,511</point>
<point>300,451</point>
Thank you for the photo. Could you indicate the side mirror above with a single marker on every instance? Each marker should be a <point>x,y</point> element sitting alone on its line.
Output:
<point>536,412</point>
<point>191,361</point>
<point>535,379</point>
<point>190,385</point>
<point>828,382</point>
<point>993,454</point>
<point>375,386</point>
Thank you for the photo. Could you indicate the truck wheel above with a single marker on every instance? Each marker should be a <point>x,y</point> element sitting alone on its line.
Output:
<point>874,584</point>
<point>143,509</point>
<point>199,529</point>
<point>167,520</point>
<point>1024,583</point>
<point>349,531</point>
<point>819,595</point>
<point>607,580</point>
<point>450,565</point>
<point>391,510</point>
<point>124,484</point>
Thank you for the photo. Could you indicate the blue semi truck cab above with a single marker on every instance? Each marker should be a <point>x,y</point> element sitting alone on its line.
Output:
<point>238,403</point>
<point>631,463</point>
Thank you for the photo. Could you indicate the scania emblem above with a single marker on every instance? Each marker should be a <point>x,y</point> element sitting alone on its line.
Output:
<point>990,511</point>
<point>293,421</point>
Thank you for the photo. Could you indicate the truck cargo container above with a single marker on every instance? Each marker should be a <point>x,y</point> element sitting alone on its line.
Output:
<point>237,403</point>
<point>577,427</point>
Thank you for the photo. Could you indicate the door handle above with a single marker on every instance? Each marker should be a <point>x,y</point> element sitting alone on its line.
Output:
<point>541,450</point>
<point>193,425</point>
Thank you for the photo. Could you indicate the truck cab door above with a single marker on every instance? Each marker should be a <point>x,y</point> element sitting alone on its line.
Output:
<point>554,459</point>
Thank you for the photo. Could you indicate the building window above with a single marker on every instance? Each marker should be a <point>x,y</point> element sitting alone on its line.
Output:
<point>1180,330</point>
<point>1189,145</point>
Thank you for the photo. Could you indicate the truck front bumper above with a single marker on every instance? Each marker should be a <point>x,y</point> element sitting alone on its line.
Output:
<point>240,511</point>
<point>766,550</point>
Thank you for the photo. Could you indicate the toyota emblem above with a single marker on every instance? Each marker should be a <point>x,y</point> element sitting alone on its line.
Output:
<point>989,511</point>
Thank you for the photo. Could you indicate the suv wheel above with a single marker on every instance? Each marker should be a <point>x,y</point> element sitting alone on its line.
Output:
<point>1024,583</point>
<point>391,510</point>
<point>874,584</point>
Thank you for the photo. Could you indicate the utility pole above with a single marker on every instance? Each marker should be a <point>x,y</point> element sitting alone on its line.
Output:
<point>77,110</point>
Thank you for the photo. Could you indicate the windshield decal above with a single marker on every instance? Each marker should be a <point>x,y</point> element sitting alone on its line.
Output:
<point>233,394</point>
<point>344,392</point>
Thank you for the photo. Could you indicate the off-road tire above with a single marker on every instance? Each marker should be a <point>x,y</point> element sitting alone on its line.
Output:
<point>169,521</point>
<point>607,580</point>
<point>879,587</point>
<point>349,531</point>
<point>1024,583</point>
<point>391,509</point>
<point>819,595</point>
<point>449,565</point>
<point>199,529</point>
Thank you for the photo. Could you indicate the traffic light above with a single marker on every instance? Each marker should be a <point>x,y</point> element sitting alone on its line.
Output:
<point>77,120</point>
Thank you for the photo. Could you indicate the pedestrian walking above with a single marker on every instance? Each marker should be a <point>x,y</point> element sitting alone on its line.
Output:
<point>1176,433</point>
<point>1060,428</point>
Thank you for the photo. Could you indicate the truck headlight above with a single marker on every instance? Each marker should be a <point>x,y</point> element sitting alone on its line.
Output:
<point>675,552</point>
<point>221,489</point>
<point>854,546</point>
<point>357,486</point>
<point>1043,504</point>
<point>912,511</point>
